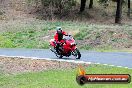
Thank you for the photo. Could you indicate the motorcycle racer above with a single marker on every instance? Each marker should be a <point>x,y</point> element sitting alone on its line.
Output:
<point>59,38</point>
<point>64,44</point>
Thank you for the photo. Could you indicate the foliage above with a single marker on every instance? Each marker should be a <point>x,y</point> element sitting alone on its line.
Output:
<point>59,5</point>
<point>88,36</point>
<point>81,35</point>
<point>24,39</point>
<point>105,3</point>
<point>5,42</point>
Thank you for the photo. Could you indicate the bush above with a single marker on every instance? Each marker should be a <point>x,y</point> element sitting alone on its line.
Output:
<point>82,34</point>
<point>6,43</point>
<point>58,6</point>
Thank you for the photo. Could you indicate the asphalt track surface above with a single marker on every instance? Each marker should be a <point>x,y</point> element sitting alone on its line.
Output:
<point>121,59</point>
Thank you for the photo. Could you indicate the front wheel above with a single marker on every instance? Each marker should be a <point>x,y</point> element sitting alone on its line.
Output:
<point>76,53</point>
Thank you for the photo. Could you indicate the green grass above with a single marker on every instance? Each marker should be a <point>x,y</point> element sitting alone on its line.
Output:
<point>25,39</point>
<point>31,34</point>
<point>105,39</point>
<point>60,78</point>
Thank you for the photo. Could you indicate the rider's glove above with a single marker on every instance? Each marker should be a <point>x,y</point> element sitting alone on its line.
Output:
<point>58,42</point>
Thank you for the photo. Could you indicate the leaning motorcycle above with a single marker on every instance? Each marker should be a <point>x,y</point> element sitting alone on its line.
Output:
<point>68,48</point>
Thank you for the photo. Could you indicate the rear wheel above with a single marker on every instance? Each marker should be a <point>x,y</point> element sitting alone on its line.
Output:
<point>59,54</point>
<point>77,54</point>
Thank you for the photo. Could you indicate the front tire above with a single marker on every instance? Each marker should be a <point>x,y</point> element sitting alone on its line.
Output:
<point>77,54</point>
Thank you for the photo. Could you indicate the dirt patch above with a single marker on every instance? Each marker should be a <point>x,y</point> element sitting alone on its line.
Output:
<point>12,65</point>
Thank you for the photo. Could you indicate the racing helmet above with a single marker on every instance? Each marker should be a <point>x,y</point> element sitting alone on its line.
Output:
<point>59,30</point>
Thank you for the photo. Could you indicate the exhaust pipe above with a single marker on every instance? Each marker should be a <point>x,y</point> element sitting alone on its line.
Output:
<point>53,50</point>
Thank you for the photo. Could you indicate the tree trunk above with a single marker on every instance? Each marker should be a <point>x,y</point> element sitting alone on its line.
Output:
<point>118,11</point>
<point>91,4</point>
<point>82,7</point>
<point>128,13</point>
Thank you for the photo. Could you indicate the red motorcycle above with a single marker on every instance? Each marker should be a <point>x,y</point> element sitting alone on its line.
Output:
<point>67,49</point>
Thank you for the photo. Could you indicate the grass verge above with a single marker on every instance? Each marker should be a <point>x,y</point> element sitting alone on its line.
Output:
<point>37,33</point>
<point>60,78</point>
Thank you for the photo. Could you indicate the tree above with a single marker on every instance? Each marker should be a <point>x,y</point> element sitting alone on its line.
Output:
<point>82,7</point>
<point>91,4</point>
<point>128,13</point>
<point>118,11</point>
